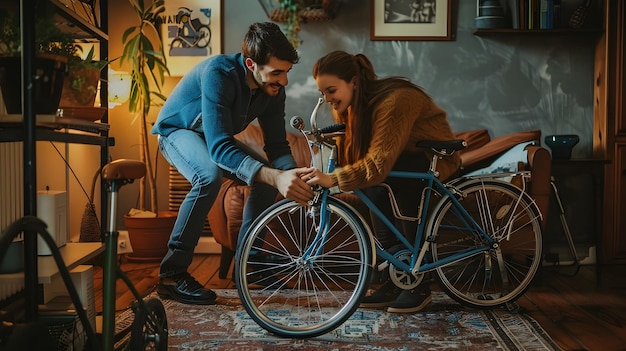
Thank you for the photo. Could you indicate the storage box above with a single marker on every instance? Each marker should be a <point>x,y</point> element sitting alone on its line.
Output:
<point>52,209</point>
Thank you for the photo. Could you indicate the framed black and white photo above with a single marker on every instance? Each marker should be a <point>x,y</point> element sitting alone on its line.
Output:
<point>410,20</point>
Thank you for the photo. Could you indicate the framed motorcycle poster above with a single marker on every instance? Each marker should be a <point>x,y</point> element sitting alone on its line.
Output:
<point>191,32</point>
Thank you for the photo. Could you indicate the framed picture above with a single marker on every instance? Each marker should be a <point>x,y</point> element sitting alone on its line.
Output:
<point>191,31</point>
<point>410,20</point>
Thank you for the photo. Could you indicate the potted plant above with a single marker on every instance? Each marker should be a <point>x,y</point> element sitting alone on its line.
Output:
<point>81,83</point>
<point>143,51</point>
<point>69,79</point>
<point>50,65</point>
<point>293,12</point>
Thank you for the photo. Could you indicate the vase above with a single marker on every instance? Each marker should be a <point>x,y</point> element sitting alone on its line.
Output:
<point>149,236</point>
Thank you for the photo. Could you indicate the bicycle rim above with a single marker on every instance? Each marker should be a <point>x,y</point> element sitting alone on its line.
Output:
<point>294,294</point>
<point>504,270</point>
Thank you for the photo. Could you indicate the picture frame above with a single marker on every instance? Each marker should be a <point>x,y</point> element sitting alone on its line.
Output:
<point>411,20</point>
<point>184,28</point>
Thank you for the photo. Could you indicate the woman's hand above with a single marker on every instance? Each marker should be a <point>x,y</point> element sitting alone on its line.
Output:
<point>314,176</point>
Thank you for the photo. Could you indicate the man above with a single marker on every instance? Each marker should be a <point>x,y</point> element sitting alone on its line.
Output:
<point>217,99</point>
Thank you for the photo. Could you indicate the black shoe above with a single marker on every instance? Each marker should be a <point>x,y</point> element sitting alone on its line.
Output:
<point>411,300</point>
<point>184,288</point>
<point>382,297</point>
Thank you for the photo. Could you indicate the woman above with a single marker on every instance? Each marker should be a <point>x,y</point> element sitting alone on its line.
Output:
<point>384,119</point>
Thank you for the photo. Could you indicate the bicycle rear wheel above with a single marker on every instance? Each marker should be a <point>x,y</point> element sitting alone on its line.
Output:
<point>295,285</point>
<point>501,272</point>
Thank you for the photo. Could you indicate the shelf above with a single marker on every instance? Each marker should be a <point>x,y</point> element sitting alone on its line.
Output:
<point>78,26</point>
<point>537,32</point>
<point>73,254</point>
<point>53,128</point>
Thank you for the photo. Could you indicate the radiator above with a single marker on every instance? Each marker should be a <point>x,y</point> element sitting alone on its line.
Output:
<point>11,183</point>
<point>11,202</point>
<point>178,189</point>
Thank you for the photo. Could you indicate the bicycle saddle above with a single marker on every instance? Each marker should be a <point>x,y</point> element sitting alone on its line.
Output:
<point>123,169</point>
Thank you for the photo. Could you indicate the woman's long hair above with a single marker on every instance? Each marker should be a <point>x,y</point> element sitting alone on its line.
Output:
<point>368,93</point>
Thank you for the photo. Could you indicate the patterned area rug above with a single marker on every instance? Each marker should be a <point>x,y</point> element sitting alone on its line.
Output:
<point>443,325</point>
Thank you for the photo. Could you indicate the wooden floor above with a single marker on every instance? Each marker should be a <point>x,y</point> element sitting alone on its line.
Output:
<point>580,310</point>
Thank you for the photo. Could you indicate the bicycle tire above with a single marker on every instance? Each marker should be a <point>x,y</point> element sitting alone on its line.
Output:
<point>291,294</point>
<point>205,37</point>
<point>149,328</point>
<point>503,272</point>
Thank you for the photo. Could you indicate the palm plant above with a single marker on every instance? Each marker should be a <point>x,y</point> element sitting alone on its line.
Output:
<point>143,50</point>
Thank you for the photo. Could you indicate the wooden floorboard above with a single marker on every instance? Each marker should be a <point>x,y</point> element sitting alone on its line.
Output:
<point>581,309</point>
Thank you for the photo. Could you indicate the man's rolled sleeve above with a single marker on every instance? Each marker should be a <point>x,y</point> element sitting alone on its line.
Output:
<point>248,169</point>
<point>284,162</point>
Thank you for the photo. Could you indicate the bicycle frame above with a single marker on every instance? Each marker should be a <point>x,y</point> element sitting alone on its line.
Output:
<point>483,239</point>
<point>419,248</point>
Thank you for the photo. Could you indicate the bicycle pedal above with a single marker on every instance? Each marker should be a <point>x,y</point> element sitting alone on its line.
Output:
<point>383,266</point>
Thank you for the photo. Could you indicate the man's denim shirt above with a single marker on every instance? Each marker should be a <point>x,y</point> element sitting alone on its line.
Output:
<point>214,99</point>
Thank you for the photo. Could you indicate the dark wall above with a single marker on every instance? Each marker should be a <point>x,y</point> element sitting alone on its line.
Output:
<point>505,84</point>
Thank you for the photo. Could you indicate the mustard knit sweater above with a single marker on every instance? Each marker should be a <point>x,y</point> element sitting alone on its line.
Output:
<point>403,118</point>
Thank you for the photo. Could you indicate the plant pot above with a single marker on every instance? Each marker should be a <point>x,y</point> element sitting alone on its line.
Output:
<point>50,71</point>
<point>80,87</point>
<point>149,236</point>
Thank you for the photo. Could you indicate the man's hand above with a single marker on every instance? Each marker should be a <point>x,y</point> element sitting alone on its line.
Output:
<point>289,183</point>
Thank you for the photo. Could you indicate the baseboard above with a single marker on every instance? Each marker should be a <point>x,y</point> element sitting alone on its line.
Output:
<point>208,245</point>
<point>565,256</point>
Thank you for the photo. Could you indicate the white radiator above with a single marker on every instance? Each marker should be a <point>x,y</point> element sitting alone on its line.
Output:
<point>11,183</point>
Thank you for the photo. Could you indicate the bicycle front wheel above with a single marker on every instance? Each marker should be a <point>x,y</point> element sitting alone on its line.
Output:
<point>479,273</point>
<point>298,281</point>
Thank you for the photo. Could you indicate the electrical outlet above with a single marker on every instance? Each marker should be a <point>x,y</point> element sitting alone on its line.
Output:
<point>123,243</point>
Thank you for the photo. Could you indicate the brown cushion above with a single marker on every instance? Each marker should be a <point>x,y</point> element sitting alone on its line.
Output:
<point>474,139</point>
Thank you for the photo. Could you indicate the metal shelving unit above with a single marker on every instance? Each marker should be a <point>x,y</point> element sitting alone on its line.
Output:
<point>29,131</point>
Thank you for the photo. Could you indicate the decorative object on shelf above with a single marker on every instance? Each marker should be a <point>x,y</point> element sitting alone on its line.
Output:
<point>292,13</point>
<point>578,17</point>
<point>423,20</point>
<point>561,145</point>
<point>489,14</point>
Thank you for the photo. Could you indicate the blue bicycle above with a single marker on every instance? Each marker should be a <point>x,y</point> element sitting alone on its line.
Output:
<point>301,271</point>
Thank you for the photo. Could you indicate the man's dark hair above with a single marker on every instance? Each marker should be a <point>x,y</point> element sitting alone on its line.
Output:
<point>264,40</point>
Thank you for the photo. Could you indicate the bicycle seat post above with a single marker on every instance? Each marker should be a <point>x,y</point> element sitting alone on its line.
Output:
<point>116,174</point>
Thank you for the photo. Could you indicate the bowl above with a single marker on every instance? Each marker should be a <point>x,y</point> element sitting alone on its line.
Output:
<point>484,22</point>
<point>561,145</point>
<point>491,11</point>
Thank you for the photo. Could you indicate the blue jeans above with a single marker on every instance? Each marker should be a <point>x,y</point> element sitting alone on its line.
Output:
<point>186,150</point>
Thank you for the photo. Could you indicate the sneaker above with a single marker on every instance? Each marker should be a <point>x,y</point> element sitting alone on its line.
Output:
<point>411,300</point>
<point>382,297</point>
<point>185,289</point>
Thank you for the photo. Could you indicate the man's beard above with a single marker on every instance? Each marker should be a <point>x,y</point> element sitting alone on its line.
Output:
<point>267,88</point>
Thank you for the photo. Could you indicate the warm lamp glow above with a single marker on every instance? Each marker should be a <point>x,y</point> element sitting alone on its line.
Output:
<point>119,87</point>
